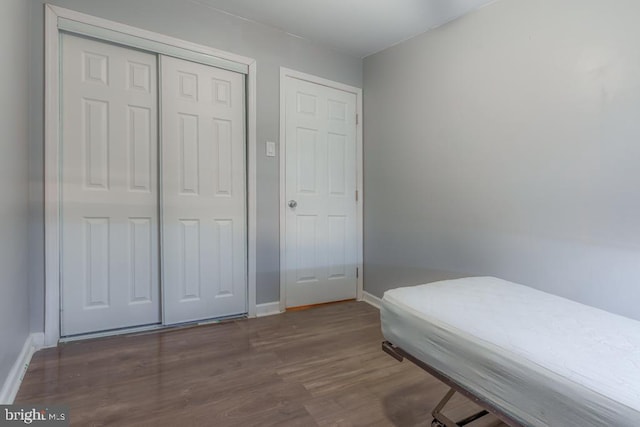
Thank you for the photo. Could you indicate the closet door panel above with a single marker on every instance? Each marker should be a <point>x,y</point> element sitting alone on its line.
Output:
<point>203,191</point>
<point>109,206</point>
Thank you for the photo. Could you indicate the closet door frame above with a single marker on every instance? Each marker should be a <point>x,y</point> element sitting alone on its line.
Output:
<point>58,19</point>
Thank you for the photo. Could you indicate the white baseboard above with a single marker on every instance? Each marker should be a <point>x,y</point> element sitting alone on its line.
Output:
<point>268,309</point>
<point>33,343</point>
<point>371,299</point>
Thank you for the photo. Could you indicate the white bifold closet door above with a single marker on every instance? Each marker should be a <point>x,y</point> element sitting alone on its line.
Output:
<point>203,191</point>
<point>109,271</point>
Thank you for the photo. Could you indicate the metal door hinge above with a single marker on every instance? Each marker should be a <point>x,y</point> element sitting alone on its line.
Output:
<point>357,272</point>
<point>357,118</point>
<point>356,195</point>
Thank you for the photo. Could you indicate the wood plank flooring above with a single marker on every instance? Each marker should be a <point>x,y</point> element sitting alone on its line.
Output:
<point>317,367</point>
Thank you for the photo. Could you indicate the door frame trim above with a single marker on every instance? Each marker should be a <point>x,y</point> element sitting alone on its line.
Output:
<point>284,73</point>
<point>128,36</point>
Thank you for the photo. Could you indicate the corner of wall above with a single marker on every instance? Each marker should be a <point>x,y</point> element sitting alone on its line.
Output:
<point>9,390</point>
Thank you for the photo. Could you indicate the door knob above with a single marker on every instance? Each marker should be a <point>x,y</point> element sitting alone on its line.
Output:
<point>293,204</point>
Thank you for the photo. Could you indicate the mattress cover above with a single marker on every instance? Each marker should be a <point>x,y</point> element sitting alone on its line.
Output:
<point>543,359</point>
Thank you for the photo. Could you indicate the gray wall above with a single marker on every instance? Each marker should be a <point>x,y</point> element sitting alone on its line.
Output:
<point>14,290</point>
<point>194,22</point>
<point>507,143</point>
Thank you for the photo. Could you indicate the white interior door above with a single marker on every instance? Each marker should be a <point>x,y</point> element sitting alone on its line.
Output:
<point>203,191</point>
<point>109,275</point>
<point>321,230</point>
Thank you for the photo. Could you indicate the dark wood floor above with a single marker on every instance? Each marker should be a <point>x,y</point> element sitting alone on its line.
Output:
<point>317,367</point>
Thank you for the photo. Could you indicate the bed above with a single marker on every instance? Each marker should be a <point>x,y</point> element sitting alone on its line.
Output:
<point>532,358</point>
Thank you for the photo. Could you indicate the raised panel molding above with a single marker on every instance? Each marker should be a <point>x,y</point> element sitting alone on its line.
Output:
<point>96,134</point>
<point>140,235</point>
<point>223,150</point>
<point>95,68</point>
<point>188,86</point>
<point>139,76</point>
<point>189,153</point>
<point>306,104</point>
<point>224,236</point>
<point>221,92</point>
<point>139,131</point>
<point>338,251</point>
<point>306,161</point>
<point>307,254</point>
<point>337,110</point>
<point>97,262</point>
<point>337,164</point>
<point>190,262</point>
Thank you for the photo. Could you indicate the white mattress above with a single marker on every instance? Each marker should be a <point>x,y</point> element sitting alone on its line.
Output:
<point>545,360</point>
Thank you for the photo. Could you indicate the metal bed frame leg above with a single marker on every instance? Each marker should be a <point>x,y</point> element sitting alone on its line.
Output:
<point>440,420</point>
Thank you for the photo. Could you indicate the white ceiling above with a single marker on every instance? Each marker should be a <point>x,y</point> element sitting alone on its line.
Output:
<point>358,27</point>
